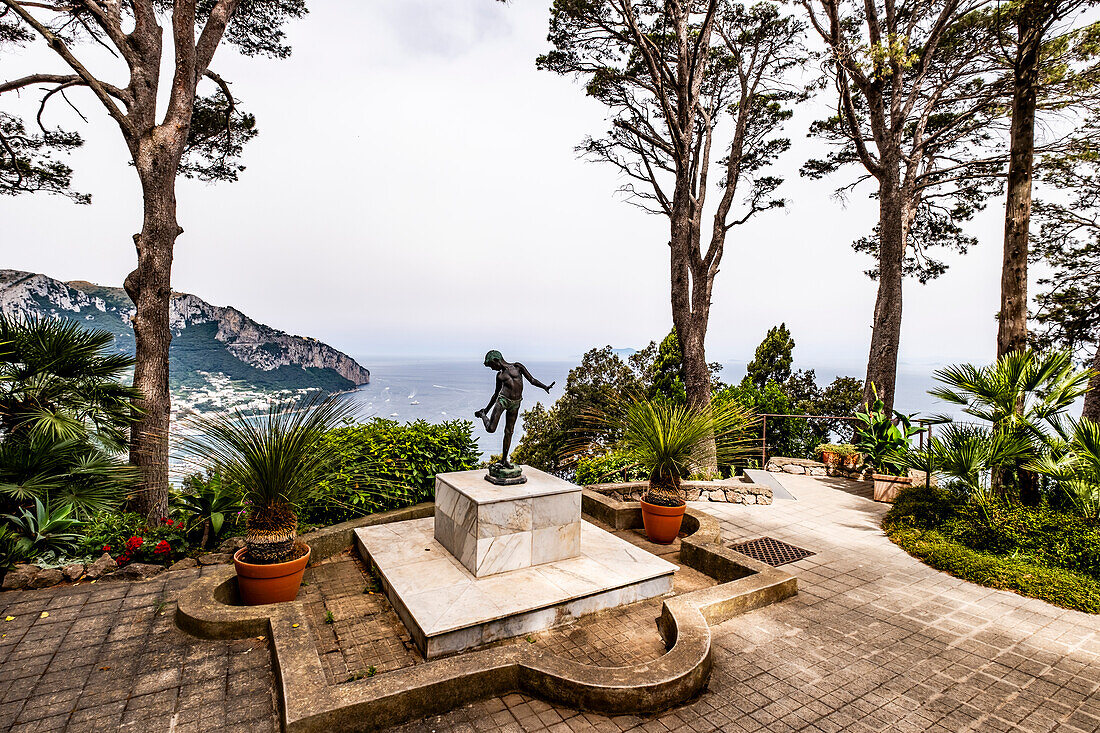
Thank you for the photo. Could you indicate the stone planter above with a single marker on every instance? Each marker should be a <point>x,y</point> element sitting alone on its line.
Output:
<point>887,487</point>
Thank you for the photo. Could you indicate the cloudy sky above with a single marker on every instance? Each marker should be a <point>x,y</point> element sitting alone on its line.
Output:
<point>414,191</point>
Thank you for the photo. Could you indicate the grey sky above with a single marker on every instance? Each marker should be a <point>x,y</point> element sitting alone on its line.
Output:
<point>414,190</point>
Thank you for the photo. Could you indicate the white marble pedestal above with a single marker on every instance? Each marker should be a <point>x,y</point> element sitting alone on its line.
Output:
<point>493,529</point>
<point>447,610</point>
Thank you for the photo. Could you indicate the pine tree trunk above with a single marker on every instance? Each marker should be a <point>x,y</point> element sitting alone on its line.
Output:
<point>149,287</point>
<point>882,362</point>
<point>1012,322</point>
<point>1092,397</point>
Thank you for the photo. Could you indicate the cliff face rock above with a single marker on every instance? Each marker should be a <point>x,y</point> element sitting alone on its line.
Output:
<point>206,339</point>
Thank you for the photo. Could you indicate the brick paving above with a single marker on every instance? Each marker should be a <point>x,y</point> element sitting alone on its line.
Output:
<point>107,656</point>
<point>875,641</point>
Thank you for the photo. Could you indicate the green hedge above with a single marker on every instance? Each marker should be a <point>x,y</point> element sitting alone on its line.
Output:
<point>1037,551</point>
<point>610,468</point>
<point>1063,588</point>
<point>384,465</point>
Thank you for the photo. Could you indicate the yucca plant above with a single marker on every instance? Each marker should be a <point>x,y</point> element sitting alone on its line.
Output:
<point>671,441</point>
<point>274,462</point>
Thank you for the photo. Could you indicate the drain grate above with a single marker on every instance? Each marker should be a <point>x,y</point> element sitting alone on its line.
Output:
<point>771,551</point>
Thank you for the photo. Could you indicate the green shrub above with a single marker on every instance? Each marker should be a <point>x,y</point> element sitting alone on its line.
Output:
<point>384,465</point>
<point>46,532</point>
<point>1022,575</point>
<point>1051,535</point>
<point>125,536</point>
<point>612,467</point>
<point>840,449</point>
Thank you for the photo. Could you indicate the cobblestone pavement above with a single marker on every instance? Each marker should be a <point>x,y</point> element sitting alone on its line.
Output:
<point>107,656</point>
<point>875,641</point>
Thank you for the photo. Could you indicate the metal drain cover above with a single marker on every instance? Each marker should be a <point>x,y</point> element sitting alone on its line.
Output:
<point>771,551</point>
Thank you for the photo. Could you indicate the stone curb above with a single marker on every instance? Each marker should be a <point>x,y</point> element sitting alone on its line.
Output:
<point>310,704</point>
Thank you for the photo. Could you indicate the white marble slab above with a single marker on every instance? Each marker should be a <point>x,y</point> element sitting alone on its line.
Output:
<point>494,529</point>
<point>448,609</point>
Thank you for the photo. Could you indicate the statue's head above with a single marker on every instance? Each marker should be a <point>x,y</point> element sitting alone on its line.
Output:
<point>494,359</point>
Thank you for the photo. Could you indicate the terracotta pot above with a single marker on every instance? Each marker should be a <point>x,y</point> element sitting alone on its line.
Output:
<point>830,459</point>
<point>662,523</point>
<point>887,487</point>
<point>260,584</point>
<point>852,460</point>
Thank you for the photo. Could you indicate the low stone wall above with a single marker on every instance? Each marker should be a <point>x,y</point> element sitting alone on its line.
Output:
<point>804,466</point>
<point>731,491</point>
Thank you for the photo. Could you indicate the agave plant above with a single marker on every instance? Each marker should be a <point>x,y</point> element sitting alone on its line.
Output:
<point>273,462</point>
<point>205,503</point>
<point>1075,464</point>
<point>45,532</point>
<point>671,441</point>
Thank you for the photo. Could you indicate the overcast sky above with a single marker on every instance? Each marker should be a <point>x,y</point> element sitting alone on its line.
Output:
<point>414,191</point>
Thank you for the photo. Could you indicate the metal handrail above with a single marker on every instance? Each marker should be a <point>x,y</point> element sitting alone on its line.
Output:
<point>764,430</point>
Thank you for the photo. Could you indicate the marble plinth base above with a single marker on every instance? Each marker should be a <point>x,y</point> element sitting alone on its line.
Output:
<point>493,529</point>
<point>447,609</point>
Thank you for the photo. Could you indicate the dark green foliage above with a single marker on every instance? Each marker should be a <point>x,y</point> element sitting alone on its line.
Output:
<point>881,438</point>
<point>205,505</point>
<point>10,550</point>
<point>668,371</point>
<point>552,435</point>
<point>216,139</point>
<point>381,465</point>
<point>770,387</point>
<point>612,467</point>
<point>28,161</point>
<point>45,532</point>
<point>1053,585</point>
<point>1069,244</point>
<point>1038,551</point>
<point>773,358</point>
<point>64,416</point>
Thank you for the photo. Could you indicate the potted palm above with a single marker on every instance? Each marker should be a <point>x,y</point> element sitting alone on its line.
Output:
<point>882,438</point>
<point>671,442</point>
<point>273,462</point>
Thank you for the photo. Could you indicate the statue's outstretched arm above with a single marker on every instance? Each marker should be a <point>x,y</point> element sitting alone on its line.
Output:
<point>532,380</point>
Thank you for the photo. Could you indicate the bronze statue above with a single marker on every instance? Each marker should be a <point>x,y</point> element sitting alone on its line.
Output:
<point>506,400</point>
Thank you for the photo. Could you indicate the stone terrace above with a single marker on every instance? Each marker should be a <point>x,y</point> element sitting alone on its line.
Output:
<point>875,641</point>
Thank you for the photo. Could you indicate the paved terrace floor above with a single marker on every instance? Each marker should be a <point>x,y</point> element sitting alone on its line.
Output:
<point>875,641</point>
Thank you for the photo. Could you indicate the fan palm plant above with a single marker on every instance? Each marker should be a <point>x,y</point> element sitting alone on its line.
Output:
<point>61,381</point>
<point>1075,464</point>
<point>1024,396</point>
<point>274,462</point>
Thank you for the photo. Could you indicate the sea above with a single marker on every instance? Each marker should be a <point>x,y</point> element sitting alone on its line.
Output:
<point>408,389</point>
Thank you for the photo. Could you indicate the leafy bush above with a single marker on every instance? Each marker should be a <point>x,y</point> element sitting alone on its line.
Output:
<point>880,438</point>
<point>125,536</point>
<point>840,449</point>
<point>382,465</point>
<point>610,468</point>
<point>1041,534</point>
<point>10,550</point>
<point>1061,587</point>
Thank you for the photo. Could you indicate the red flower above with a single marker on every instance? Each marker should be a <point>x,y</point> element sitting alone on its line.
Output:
<point>134,542</point>
<point>106,548</point>
<point>169,522</point>
<point>164,520</point>
<point>122,559</point>
<point>162,547</point>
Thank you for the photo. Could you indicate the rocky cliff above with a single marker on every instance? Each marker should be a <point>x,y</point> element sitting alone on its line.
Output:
<point>206,339</point>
